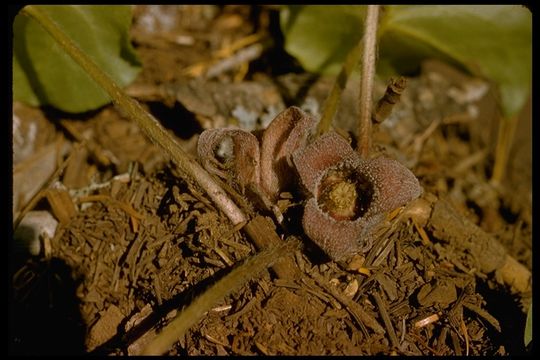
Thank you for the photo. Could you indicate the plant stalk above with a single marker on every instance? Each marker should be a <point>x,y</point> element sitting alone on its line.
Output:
<point>366,82</point>
<point>391,97</point>
<point>149,125</point>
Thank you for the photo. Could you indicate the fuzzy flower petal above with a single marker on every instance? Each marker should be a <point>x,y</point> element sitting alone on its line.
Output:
<point>230,153</point>
<point>313,160</point>
<point>339,239</point>
<point>394,184</point>
<point>286,133</point>
<point>350,195</point>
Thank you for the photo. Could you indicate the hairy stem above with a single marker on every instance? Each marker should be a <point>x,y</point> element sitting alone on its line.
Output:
<point>149,125</point>
<point>366,83</point>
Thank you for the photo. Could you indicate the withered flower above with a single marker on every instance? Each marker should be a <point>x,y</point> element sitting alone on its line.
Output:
<point>236,154</point>
<point>231,154</point>
<point>349,195</point>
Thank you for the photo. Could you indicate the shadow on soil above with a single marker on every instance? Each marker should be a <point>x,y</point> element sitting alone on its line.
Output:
<point>44,317</point>
<point>505,308</point>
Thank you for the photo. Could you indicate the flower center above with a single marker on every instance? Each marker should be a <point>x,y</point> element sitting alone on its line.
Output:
<point>344,194</point>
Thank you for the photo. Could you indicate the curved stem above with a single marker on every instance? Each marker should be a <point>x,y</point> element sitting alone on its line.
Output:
<point>149,125</point>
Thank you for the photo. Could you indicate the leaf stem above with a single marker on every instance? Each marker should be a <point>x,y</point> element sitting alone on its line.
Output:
<point>149,125</point>
<point>366,83</point>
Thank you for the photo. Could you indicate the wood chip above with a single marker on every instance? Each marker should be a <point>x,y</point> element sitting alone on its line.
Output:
<point>61,205</point>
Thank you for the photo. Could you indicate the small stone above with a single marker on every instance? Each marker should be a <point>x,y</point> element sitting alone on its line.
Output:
<point>35,226</point>
<point>351,288</point>
<point>334,282</point>
<point>356,262</point>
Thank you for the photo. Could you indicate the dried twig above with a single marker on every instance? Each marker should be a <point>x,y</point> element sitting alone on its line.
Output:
<point>101,157</point>
<point>117,203</point>
<point>386,319</point>
<point>490,255</point>
<point>246,55</point>
<point>384,106</point>
<point>484,314</point>
<point>505,137</point>
<point>35,199</point>
<point>357,312</point>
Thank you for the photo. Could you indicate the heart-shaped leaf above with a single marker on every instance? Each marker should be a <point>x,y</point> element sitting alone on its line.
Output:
<point>321,36</point>
<point>491,41</point>
<point>44,74</point>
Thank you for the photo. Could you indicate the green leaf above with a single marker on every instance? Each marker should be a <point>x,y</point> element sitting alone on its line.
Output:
<point>490,41</point>
<point>528,327</point>
<point>43,74</point>
<point>321,36</point>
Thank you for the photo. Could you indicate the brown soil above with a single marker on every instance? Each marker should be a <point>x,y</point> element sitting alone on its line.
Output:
<point>136,243</point>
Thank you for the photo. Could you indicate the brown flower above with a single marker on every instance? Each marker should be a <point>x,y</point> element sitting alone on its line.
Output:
<point>349,195</point>
<point>231,154</point>
<point>285,134</point>
<point>236,154</point>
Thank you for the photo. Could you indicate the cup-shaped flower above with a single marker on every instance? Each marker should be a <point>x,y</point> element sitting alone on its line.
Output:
<point>349,195</point>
